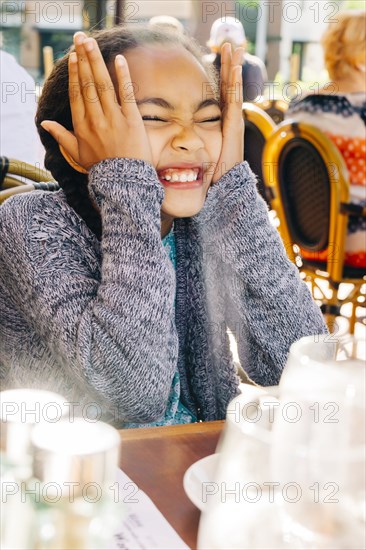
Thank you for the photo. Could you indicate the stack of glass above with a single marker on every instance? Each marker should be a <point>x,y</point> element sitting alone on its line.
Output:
<point>57,474</point>
<point>21,410</point>
<point>291,470</point>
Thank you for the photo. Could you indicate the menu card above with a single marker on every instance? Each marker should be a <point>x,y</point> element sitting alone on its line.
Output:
<point>143,527</point>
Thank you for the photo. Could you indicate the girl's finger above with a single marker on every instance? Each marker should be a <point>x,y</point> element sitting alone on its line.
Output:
<point>89,93</point>
<point>233,86</point>
<point>103,83</point>
<point>75,97</point>
<point>225,69</point>
<point>238,57</point>
<point>64,137</point>
<point>234,90</point>
<point>126,90</point>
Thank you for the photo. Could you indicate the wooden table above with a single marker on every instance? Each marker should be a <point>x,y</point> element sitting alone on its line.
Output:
<point>156,460</point>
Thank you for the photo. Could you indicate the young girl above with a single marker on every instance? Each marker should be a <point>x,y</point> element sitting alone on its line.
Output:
<point>119,289</point>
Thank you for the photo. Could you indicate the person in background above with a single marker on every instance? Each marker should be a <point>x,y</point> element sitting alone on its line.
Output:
<point>254,70</point>
<point>339,110</point>
<point>167,22</point>
<point>18,135</point>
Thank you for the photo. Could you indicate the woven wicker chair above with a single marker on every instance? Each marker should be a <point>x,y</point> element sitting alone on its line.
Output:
<point>310,188</point>
<point>15,172</point>
<point>36,186</point>
<point>20,177</point>
<point>258,127</point>
<point>275,108</point>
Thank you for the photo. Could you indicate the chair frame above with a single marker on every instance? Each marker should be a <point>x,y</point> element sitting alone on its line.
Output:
<point>258,117</point>
<point>32,178</point>
<point>265,125</point>
<point>26,172</point>
<point>340,209</point>
<point>36,186</point>
<point>267,104</point>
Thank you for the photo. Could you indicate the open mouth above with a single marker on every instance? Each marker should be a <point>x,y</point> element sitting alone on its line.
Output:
<point>181,178</point>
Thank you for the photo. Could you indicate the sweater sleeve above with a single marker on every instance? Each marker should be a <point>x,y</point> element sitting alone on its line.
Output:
<point>107,322</point>
<point>268,306</point>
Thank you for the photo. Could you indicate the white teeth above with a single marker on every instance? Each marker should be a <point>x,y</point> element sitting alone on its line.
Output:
<point>180,176</point>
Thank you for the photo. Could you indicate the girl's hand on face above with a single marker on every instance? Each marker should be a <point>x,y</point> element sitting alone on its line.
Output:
<point>231,93</point>
<point>103,128</point>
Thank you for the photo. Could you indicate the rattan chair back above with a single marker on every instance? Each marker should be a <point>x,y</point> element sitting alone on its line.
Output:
<point>258,127</point>
<point>310,189</point>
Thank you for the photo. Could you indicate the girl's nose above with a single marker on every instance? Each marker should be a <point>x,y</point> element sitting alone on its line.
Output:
<point>187,139</point>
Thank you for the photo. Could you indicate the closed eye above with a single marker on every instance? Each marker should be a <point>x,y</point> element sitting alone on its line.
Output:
<point>214,119</point>
<point>151,118</point>
<point>156,118</point>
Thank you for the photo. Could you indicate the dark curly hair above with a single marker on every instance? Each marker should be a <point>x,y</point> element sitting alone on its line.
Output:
<point>54,105</point>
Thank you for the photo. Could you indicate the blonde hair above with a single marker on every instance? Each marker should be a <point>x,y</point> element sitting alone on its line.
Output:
<point>344,44</point>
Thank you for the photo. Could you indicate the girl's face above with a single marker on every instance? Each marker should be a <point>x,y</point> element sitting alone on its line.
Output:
<point>182,120</point>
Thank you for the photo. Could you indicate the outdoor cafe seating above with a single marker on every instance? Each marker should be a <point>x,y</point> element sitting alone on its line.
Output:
<point>307,180</point>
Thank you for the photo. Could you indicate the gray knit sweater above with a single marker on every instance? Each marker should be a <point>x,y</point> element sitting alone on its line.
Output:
<point>95,320</point>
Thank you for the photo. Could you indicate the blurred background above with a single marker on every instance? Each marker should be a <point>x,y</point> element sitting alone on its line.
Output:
<point>285,34</point>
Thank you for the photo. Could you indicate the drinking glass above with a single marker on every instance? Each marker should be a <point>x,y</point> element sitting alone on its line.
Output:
<point>318,445</point>
<point>291,467</point>
<point>240,503</point>
<point>74,467</point>
<point>20,411</point>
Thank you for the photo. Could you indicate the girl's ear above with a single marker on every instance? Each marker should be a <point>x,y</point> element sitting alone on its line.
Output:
<point>71,161</point>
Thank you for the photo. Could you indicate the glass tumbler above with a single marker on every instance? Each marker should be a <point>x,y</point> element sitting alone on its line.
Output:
<point>20,411</point>
<point>74,469</point>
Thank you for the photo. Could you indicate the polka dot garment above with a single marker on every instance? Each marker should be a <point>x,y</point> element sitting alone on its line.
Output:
<point>354,153</point>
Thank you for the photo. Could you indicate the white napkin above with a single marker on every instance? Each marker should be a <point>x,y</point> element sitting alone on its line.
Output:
<point>143,526</point>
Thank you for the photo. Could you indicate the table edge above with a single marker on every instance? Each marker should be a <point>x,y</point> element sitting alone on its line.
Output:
<point>171,431</point>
